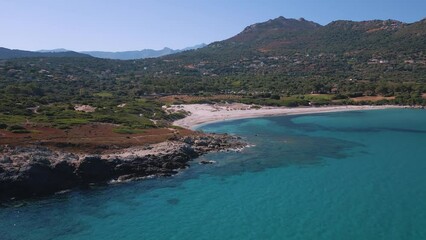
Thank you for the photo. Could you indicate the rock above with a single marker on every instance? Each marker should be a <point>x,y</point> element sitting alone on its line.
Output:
<point>64,175</point>
<point>125,178</point>
<point>201,143</point>
<point>188,150</point>
<point>41,159</point>
<point>33,179</point>
<point>207,162</point>
<point>70,157</point>
<point>188,140</point>
<point>6,159</point>
<point>37,178</point>
<point>35,171</point>
<point>94,169</point>
<point>172,165</point>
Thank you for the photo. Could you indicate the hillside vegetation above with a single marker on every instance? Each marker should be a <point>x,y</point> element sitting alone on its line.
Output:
<point>283,62</point>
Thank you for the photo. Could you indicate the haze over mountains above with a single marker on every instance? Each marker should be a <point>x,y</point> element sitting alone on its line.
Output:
<point>6,53</point>
<point>125,55</point>
<point>146,53</point>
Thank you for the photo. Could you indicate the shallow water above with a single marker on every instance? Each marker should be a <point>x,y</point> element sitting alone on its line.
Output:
<point>352,175</point>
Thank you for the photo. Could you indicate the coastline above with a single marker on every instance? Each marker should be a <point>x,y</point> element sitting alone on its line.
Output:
<point>35,170</point>
<point>202,114</point>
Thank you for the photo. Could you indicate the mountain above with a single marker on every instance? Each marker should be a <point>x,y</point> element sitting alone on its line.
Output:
<point>194,47</point>
<point>54,50</point>
<point>146,53</point>
<point>283,57</point>
<point>304,45</point>
<point>6,53</point>
<point>273,28</point>
<point>129,55</point>
<point>284,36</point>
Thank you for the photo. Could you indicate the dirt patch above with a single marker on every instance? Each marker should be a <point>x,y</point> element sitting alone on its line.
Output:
<point>424,95</point>
<point>374,30</point>
<point>84,108</point>
<point>96,138</point>
<point>371,98</point>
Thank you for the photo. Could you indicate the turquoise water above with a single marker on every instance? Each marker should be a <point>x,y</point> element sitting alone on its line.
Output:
<point>353,175</point>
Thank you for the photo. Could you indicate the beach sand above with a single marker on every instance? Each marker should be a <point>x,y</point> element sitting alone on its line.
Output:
<point>201,114</point>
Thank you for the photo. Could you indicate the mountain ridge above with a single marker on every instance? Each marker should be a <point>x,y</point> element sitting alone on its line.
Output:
<point>272,26</point>
<point>286,36</point>
<point>6,53</point>
<point>139,54</point>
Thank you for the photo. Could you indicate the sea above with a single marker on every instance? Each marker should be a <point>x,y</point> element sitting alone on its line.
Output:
<point>347,175</point>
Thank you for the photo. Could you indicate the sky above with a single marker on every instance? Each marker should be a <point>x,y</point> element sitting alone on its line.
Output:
<point>119,25</point>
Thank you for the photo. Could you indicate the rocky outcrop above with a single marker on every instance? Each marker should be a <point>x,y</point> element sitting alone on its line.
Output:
<point>36,171</point>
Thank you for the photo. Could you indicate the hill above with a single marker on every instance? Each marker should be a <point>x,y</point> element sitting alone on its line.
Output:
<point>279,62</point>
<point>283,55</point>
<point>6,53</point>
<point>54,50</point>
<point>287,37</point>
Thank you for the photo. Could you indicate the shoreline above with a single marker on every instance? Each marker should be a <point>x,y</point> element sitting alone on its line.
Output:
<point>33,171</point>
<point>203,114</point>
<point>36,171</point>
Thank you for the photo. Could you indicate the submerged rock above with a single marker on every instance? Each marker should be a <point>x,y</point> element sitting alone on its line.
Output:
<point>207,162</point>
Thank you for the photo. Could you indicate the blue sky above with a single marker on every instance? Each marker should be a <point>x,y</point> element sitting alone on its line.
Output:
<point>116,25</point>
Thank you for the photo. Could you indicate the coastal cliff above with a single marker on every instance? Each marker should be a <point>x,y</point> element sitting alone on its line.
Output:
<point>33,171</point>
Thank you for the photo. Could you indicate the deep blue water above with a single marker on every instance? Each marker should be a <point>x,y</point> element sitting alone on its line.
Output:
<point>352,175</point>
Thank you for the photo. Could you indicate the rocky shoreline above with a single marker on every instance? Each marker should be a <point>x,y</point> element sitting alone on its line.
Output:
<point>33,171</point>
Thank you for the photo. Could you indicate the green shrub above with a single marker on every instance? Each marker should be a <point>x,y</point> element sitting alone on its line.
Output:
<point>20,131</point>
<point>275,96</point>
<point>125,130</point>
<point>17,129</point>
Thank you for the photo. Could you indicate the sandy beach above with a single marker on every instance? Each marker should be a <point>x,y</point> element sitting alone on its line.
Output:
<point>201,114</point>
